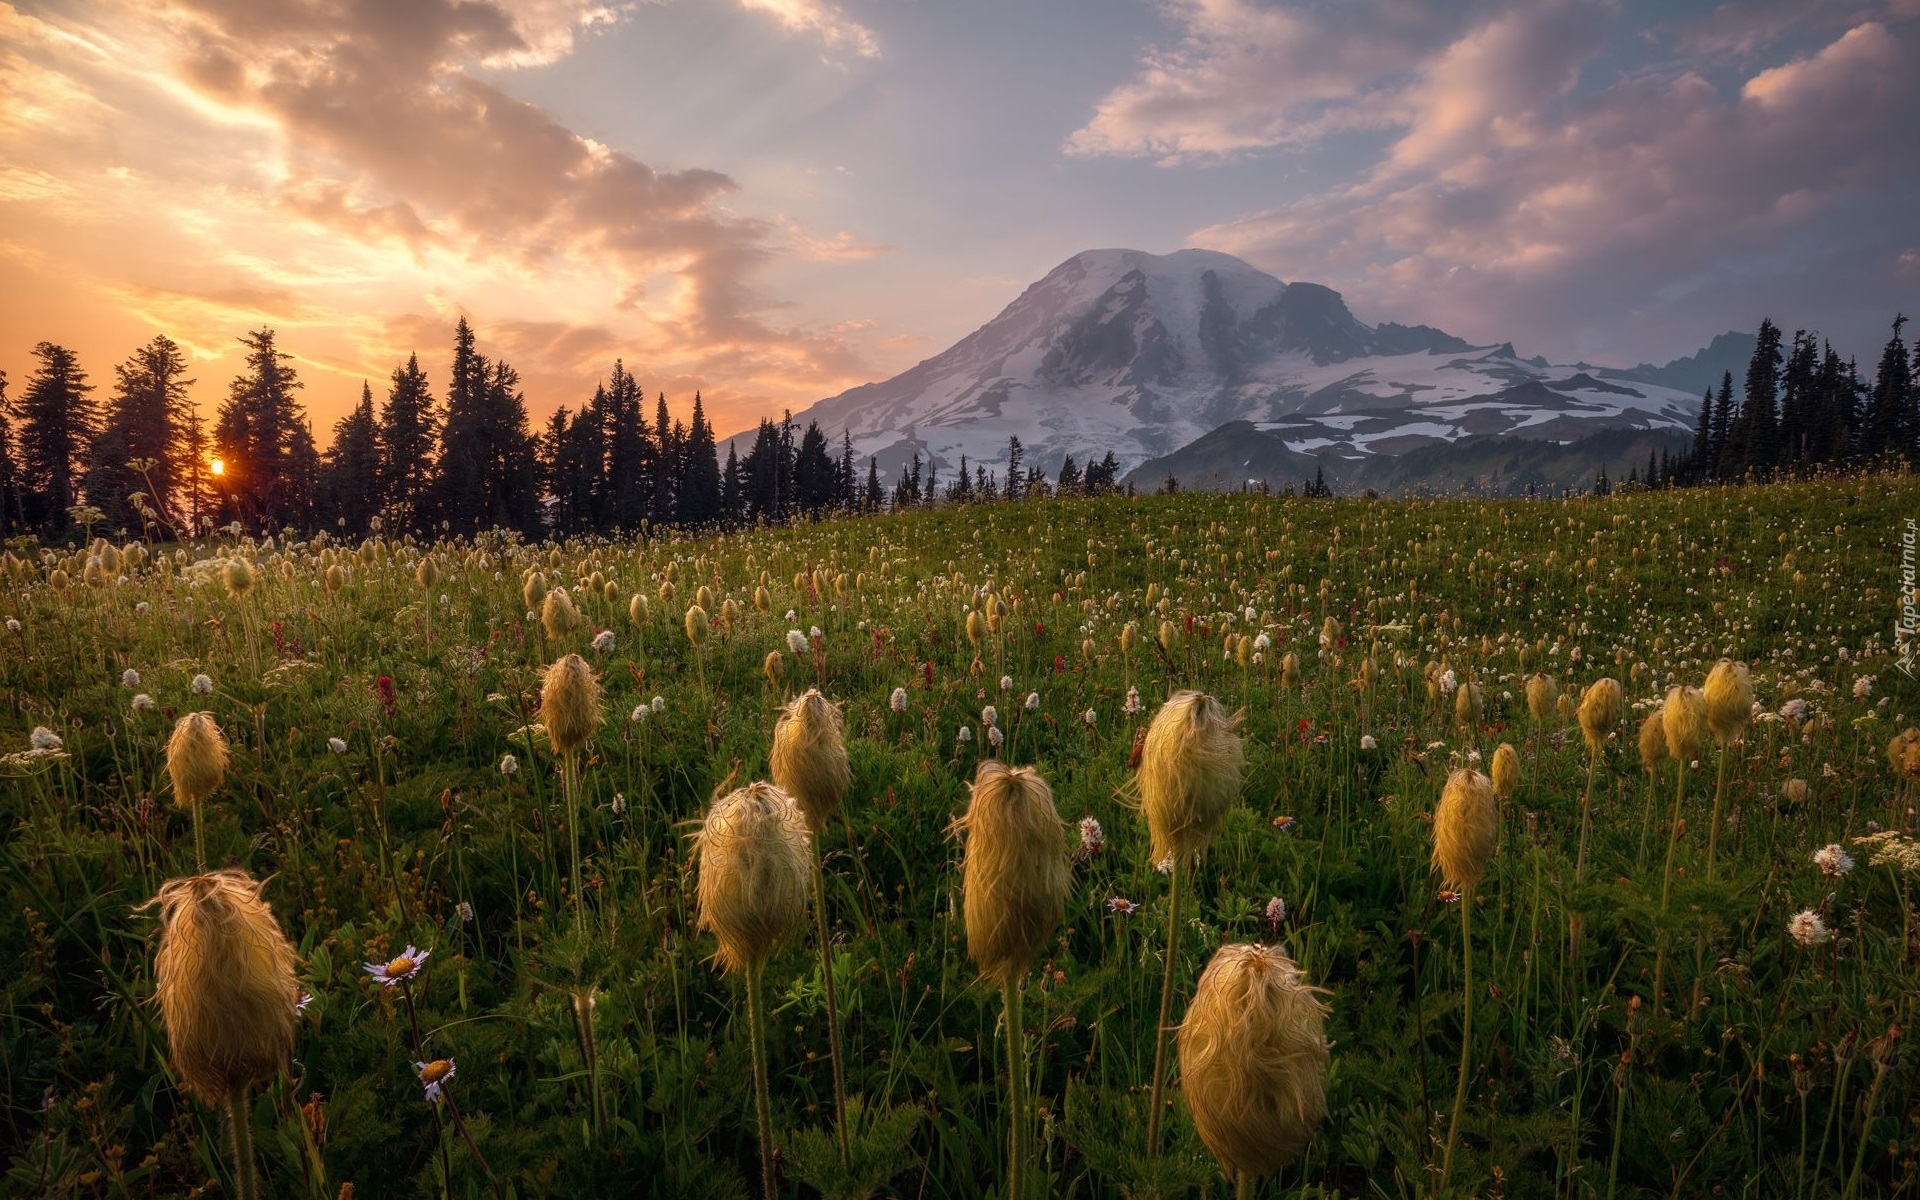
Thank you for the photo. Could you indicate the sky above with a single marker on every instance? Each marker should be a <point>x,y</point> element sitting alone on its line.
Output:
<point>770,201</point>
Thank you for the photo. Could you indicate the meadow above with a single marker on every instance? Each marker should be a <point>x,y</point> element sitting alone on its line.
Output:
<point>1643,1023</point>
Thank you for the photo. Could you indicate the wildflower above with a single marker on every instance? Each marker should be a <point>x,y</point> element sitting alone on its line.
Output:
<point>1832,860</point>
<point>300,1005</point>
<point>13,625</point>
<point>43,738</point>
<point>1006,683</point>
<point>337,745</point>
<point>139,610</point>
<point>658,704</point>
<point>898,701</point>
<point>1863,687</point>
<point>1283,823</point>
<point>433,1077</point>
<point>130,678</point>
<point>1033,701</point>
<point>1449,896</point>
<point>603,641</point>
<point>989,715</point>
<point>1367,742</point>
<point>1808,929</point>
<point>202,685</point>
<point>619,803</point>
<point>1448,682</point>
<point>143,703</point>
<point>995,736</point>
<point>509,764</point>
<point>639,713</point>
<point>796,641</point>
<point>1088,718</point>
<point>1165,865</point>
<point>464,910</point>
<point>1092,837</point>
<point>966,733</point>
<point>400,969</point>
<point>814,634</point>
<point>1794,709</point>
<point>1122,905</point>
<point>1262,642</point>
<point>790,615</point>
<point>1133,706</point>
<point>1276,913</point>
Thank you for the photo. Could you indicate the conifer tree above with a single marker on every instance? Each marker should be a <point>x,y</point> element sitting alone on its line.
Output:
<point>12,519</point>
<point>57,422</point>
<point>409,430</point>
<point>700,472</point>
<point>350,470</point>
<point>141,446</point>
<point>1890,421</point>
<point>262,441</point>
<point>1717,458</point>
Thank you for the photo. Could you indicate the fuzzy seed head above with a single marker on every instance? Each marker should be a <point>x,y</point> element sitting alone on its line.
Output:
<point>1253,1059</point>
<point>1543,697</point>
<point>1466,706</point>
<point>427,574</point>
<point>336,577</point>
<point>1903,754</point>
<point>1190,766</point>
<point>637,610</point>
<point>752,888</point>
<point>976,627</point>
<point>1466,828</point>
<point>1505,771</point>
<point>196,758</point>
<point>1729,696</point>
<point>1014,875</point>
<point>224,981</point>
<point>698,624</point>
<point>238,576</point>
<point>1653,740</point>
<point>569,703</point>
<point>1290,670</point>
<point>809,756</point>
<point>1600,711</point>
<point>534,591</point>
<point>558,616</point>
<point>1684,717</point>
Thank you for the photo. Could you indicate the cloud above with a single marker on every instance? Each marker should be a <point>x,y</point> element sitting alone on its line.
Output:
<point>1248,76</point>
<point>1634,202</point>
<point>821,19</point>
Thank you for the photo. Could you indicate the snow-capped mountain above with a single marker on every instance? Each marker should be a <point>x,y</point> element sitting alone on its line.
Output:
<point>1143,354</point>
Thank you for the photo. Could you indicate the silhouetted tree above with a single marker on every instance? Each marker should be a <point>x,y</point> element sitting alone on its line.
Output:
<point>350,470</point>
<point>409,430</point>
<point>141,446</point>
<point>57,423</point>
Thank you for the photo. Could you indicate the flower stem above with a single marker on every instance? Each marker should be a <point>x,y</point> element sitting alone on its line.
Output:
<point>568,785</point>
<point>1016,1092</point>
<point>833,1011</point>
<point>1719,797</point>
<point>199,841</point>
<point>246,1185</point>
<point>1166,1013</point>
<point>1466,1033</point>
<point>756,1035</point>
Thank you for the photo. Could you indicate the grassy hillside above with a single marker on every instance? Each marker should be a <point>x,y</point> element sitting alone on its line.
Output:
<point>390,783</point>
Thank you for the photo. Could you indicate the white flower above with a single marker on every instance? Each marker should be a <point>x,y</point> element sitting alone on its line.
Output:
<point>1092,837</point>
<point>1794,709</point>
<point>1165,865</point>
<point>402,968</point>
<point>1089,717</point>
<point>464,910</point>
<point>790,615</point>
<point>1133,707</point>
<point>13,625</point>
<point>1573,655</point>
<point>603,641</point>
<point>659,705</point>
<point>434,1076</point>
<point>509,764</point>
<point>619,803</point>
<point>43,738</point>
<point>898,701</point>
<point>1862,687</point>
<point>143,703</point>
<point>1448,682</point>
<point>1006,683</point>
<point>989,715</point>
<point>1253,614</point>
<point>337,745</point>
<point>1832,860</point>
<point>640,712</point>
<point>796,641</point>
<point>1367,742</point>
<point>995,736</point>
<point>445,599</point>
<point>813,631</point>
<point>1033,701</point>
<point>130,678</point>
<point>1808,929</point>
<point>966,733</point>
<point>1276,913</point>
<point>202,685</point>
<point>1262,642</point>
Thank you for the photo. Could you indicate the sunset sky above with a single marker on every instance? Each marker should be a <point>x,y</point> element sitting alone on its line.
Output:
<point>774,200</point>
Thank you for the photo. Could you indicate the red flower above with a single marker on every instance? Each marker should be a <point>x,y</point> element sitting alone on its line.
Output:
<point>1304,725</point>
<point>1059,663</point>
<point>383,688</point>
<point>926,673</point>
<point>1039,629</point>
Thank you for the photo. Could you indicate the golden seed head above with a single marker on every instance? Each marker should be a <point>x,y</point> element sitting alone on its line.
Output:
<point>1013,874</point>
<point>1466,829</point>
<point>558,616</point>
<point>809,756</point>
<point>754,867</point>
<point>1729,696</point>
<point>1190,766</point>
<point>1505,771</point>
<point>1599,711</point>
<point>196,758</point>
<point>570,703</point>
<point>1684,718</point>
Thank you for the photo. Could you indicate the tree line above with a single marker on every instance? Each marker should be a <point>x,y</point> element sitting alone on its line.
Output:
<point>143,460</point>
<point>1800,408</point>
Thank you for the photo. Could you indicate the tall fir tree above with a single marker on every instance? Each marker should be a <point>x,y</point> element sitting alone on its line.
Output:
<point>461,485</point>
<point>1890,424</point>
<point>408,434</point>
<point>699,492</point>
<point>632,454</point>
<point>1703,432</point>
<point>731,492</point>
<point>57,422</point>
<point>1016,472</point>
<point>141,446</point>
<point>12,520</point>
<point>813,473</point>
<point>1757,431</point>
<point>267,454</point>
<point>1799,408</point>
<point>1717,458</point>
<point>350,470</point>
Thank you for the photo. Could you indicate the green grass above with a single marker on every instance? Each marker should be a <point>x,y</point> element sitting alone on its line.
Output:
<point>1767,1071</point>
